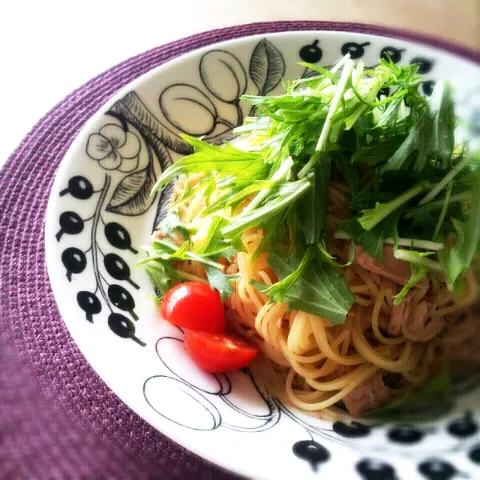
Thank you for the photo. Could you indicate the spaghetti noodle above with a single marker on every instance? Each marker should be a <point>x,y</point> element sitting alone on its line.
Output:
<point>355,178</point>
<point>316,366</point>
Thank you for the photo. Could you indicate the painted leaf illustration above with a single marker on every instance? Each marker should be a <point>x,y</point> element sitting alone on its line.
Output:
<point>137,113</point>
<point>267,66</point>
<point>163,204</point>
<point>132,195</point>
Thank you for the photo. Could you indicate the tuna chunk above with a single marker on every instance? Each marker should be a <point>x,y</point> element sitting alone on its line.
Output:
<point>417,320</point>
<point>159,235</point>
<point>384,282</point>
<point>465,353</point>
<point>232,269</point>
<point>399,317</point>
<point>417,324</point>
<point>370,394</point>
<point>392,268</point>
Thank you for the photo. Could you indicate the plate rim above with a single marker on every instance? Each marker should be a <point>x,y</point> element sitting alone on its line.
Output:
<point>381,32</point>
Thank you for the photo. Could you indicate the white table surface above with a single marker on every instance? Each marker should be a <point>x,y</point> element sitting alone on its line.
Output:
<point>48,48</point>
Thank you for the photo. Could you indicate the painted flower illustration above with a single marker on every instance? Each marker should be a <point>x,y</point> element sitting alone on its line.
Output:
<point>114,149</point>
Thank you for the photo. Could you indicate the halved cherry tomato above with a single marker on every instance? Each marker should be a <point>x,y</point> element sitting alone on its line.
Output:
<point>217,353</point>
<point>194,305</point>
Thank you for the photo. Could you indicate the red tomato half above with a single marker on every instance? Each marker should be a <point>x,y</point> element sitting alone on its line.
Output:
<point>218,353</point>
<point>194,305</point>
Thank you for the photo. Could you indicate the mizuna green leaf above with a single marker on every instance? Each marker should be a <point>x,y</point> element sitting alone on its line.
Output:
<point>311,286</point>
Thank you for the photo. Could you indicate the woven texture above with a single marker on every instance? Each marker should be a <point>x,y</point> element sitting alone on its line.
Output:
<point>58,420</point>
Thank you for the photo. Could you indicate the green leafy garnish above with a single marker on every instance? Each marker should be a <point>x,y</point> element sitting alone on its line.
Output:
<point>309,285</point>
<point>409,185</point>
<point>458,258</point>
<point>420,267</point>
<point>283,196</point>
<point>226,159</point>
<point>311,208</point>
<point>372,240</point>
<point>375,153</point>
<point>161,274</point>
<point>431,136</point>
<point>417,274</point>
<point>167,251</point>
<point>215,245</point>
<point>172,224</point>
<point>418,258</point>
<point>371,217</point>
<point>220,281</point>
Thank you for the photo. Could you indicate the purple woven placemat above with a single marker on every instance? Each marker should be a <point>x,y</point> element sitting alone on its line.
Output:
<point>58,420</point>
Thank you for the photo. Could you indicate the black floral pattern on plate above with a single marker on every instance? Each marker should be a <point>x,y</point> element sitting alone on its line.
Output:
<point>75,260</point>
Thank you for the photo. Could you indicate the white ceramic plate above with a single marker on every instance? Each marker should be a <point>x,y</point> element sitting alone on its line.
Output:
<point>100,214</point>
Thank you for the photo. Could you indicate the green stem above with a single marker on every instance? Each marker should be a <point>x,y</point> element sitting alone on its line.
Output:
<point>279,175</point>
<point>445,180</point>
<point>340,63</point>
<point>444,210</point>
<point>322,141</point>
<point>204,261</point>
<point>265,212</point>
<point>374,216</point>
<point>439,203</point>
<point>188,254</point>
<point>403,242</point>
<point>191,278</point>
<point>411,257</point>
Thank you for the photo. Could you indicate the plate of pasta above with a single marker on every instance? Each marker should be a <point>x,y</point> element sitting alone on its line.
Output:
<point>268,249</point>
